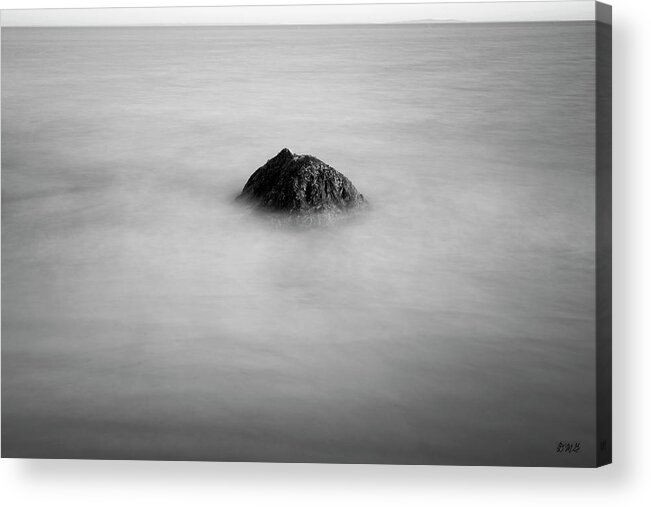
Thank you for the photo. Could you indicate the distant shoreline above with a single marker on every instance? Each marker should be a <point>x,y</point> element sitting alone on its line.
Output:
<point>342,25</point>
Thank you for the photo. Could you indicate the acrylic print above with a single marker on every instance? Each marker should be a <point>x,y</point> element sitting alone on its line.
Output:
<point>341,234</point>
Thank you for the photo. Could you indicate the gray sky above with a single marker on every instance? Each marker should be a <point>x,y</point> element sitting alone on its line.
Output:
<point>304,14</point>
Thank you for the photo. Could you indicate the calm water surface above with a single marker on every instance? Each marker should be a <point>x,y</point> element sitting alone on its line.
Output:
<point>145,314</point>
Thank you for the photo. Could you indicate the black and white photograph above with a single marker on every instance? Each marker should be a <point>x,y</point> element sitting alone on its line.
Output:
<point>371,234</point>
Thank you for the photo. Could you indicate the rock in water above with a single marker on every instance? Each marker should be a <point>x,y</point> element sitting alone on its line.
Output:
<point>300,184</point>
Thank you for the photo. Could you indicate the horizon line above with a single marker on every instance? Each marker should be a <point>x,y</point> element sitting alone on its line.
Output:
<point>222,25</point>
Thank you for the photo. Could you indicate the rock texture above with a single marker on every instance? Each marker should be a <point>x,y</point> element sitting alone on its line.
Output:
<point>300,184</point>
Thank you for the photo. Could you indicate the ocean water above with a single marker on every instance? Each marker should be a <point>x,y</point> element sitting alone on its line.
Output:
<point>146,314</point>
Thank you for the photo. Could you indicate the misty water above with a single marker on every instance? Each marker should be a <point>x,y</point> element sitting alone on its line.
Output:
<point>147,314</point>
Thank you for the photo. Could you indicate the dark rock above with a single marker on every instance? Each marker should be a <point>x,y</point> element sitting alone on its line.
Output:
<point>300,184</point>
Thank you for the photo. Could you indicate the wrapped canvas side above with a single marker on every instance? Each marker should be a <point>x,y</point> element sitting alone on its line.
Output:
<point>604,231</point>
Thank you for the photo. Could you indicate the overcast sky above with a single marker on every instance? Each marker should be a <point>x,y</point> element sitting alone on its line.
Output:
<point>304,14</point>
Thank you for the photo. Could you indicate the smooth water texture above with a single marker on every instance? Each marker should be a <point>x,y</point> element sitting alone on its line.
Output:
<point>146,314</point>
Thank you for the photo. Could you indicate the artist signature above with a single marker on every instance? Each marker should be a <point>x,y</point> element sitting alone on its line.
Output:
<point>569,447</point>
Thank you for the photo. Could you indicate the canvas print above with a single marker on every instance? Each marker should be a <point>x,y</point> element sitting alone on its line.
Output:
<point>337,234</point>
